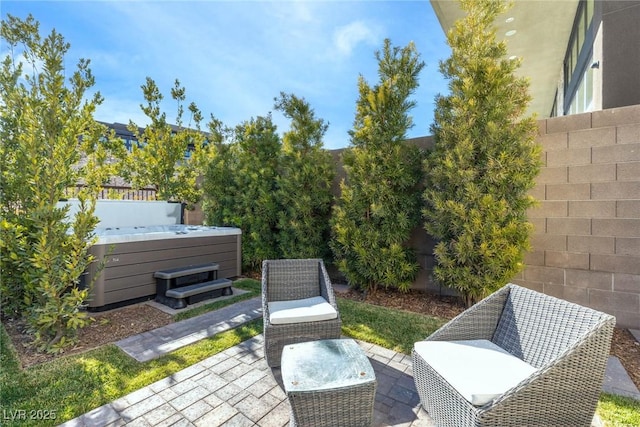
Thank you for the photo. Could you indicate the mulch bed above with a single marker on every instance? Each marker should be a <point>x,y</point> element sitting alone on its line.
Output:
<point>107,327</point>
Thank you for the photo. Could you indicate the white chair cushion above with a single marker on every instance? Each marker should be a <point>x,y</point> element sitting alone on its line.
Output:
<point>478,369</point>
<point>301,310</point>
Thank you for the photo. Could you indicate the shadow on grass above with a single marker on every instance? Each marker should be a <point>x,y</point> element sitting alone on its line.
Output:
<point>393,329</point>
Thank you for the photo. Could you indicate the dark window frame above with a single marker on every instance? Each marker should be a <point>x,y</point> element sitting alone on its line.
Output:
<point>573,72</point>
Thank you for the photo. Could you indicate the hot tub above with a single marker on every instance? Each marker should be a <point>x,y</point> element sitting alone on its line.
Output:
<point>133,254</point>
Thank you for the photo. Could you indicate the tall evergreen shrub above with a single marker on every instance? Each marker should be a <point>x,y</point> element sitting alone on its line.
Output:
<point>304,183</point>
<point>484,161</point>
<point>379,204</point>
<point>218,183</point>
<point>240,188</point>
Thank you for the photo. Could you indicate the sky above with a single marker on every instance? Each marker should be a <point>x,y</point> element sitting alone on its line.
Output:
<point>235,57</point>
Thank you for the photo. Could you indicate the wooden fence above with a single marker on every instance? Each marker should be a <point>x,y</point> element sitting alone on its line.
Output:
<point>120,193</point>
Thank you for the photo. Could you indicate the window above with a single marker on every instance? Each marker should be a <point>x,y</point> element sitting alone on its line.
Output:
<point>583,98</point>
<point>578,75</point>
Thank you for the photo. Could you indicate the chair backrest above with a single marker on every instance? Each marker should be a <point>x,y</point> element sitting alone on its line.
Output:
<point>536,327</point>
<point>290,279</point>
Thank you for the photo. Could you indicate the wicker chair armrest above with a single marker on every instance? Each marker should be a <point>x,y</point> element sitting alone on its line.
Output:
<point>477,322</point>
<point>265,305</point>
<point>326,287</point>
<point>578,371</point>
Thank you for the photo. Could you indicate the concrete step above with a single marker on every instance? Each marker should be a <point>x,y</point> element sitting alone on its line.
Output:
<point>198,288</point>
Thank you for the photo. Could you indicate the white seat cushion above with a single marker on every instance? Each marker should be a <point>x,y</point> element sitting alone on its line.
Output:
<point>301,310</point>
<point>478,369</point>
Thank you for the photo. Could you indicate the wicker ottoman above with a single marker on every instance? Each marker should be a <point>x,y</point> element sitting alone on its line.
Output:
<point>328,383</point>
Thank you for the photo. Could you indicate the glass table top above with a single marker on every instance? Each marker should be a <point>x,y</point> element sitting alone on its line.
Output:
<point>325,364</point>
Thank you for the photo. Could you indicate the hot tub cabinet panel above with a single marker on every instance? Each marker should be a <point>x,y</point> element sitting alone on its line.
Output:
<point>131,263</point>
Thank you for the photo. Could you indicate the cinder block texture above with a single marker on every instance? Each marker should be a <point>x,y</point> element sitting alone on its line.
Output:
<point>591,244</point>
<point>539,224</point>
<point>567,260</point>
<point>553,242</point>
<point>569,123</point>
<point>551,175</point>
<point>589,279</point>
<point>569,226</point>
<point>620,301</point>
<point>544,275</point>
<point>615,263</point>
<point>618,227</point>
<point>534,258</point>
<point>628,134</point>
<point>628,208</point>
<point>568,191</point>
<point>550,208</point>
<point>586,246</point>
<point>592,173</point>
<point>538,192</point>
<point>592,137</point>
<point>628,246</point>
<point>592,208</point>
<point>615,153</point>
<point>626,283</point>
<point>554,141</point>
<point>628,171</point>
<point>619,190</point>
<point>613,117</point>
<point>569,157</point>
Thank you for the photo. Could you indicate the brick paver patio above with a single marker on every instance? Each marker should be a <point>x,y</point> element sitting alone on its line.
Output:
<point>237,388</point>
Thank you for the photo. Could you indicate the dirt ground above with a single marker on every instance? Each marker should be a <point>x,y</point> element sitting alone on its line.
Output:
<point>107,327</point>
<point>116,324</point>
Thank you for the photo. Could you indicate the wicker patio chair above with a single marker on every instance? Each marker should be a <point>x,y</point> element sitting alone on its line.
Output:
<point>560,348</point>
<point>298,305</point>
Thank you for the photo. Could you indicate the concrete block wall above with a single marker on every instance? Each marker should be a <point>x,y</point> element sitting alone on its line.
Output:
<point>586,243</point>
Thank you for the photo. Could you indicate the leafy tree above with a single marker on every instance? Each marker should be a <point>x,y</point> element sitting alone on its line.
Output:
<point>158,160</point>
<point>484,160</point>
<point>240,187</point>
<point>218,185</point>
<point>380,201</point>
<point>50,142</point>
<point>304,183</point>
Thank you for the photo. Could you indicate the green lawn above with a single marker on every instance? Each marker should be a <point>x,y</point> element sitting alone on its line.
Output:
<point>393,329</point>
<point>618,411</point>
<point>73,385</point>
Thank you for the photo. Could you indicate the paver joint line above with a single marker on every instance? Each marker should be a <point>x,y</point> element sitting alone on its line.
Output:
<point>251,395</point>
<point>153,344</point>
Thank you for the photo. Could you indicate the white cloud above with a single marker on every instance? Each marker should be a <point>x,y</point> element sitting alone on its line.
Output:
<point>347,37</point>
